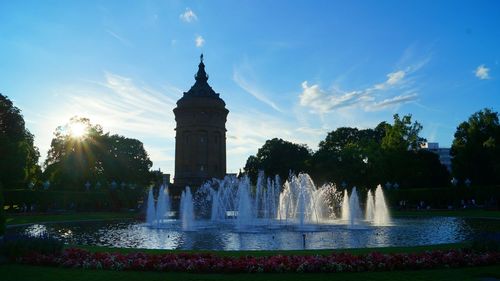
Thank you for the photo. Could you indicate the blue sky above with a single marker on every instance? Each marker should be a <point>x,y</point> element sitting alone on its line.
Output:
<point>289,69</point>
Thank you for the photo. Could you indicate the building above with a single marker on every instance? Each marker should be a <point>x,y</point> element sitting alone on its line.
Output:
<point>200,138</point>
<point>443,153</point>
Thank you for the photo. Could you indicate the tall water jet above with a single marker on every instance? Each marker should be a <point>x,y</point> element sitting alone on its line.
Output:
<point>302,202</point>
<point>381,214</point>
<point>345,206</point>
<point>187,210</point>
<point>245,210</point>
<point>150,212</point>
<point>354,209</point>
<point>370,206</point>
<point>162,205</point>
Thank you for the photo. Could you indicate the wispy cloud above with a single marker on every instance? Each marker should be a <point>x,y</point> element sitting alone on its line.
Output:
<point>244,77</point>
<point>379,96</point>
<point>482,72</point>
<point>122,106</point>
<point>397,100</point>
<point>118,37</point>
<point>188,16</point>
<point>199,41</point>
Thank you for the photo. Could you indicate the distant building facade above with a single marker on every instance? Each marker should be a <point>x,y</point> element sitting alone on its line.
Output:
<point>200,138</point>
<point>443,153</point>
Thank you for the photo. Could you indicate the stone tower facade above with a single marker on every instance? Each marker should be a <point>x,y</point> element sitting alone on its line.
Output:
<point>200,138</point>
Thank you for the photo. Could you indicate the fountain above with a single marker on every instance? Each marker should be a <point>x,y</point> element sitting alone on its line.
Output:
<point>187,210</point>
<point>345,206</point>
<point>151,213</point>
<point>162,205</point>
<point>354,209</point>
<point>381,214</point>
<point>297,203</point>
<point>370,206</point>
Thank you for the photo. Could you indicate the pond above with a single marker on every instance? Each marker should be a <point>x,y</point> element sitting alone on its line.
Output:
<point>264,236</point>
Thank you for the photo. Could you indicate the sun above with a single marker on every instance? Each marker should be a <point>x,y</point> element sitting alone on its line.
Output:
<point>77,130</point>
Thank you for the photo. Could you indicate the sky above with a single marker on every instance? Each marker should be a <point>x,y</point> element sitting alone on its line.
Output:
<point>289,69</point>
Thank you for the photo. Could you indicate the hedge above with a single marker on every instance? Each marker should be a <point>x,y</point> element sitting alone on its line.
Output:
<point>2,213</point>
<point>44,200</point>
<point>487,196</point>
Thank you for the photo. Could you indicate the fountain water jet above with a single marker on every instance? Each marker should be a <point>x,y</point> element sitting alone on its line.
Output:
<point>370,206</point>
<point>354,209</point>
<point>187,210</point>
<point>381,214</point>
<point>345,206</point>
<point>151,213</point>
<point>162,205</point>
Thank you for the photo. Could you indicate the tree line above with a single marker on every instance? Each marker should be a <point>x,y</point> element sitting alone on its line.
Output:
<point>389,153</point>
<point>74,161</point>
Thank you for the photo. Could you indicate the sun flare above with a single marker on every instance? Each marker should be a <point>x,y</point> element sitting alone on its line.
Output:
<point>77,130</point>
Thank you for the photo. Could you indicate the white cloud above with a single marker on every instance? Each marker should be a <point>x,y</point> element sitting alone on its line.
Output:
<point>397,100</point>
<point>482,72</point>
<point>199,41</point>
<point>188,16</point>
<point>118,37</point>
<point>377,97</point>
<point>252,89</point>
<point>319,100</point>
<point>393,78</point>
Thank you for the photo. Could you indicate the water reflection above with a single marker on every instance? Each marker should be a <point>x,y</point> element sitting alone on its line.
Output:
<point>404,232</point>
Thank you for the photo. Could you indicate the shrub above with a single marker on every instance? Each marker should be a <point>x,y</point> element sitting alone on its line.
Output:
<point>2,213</point>
<point>14,247</point>
<point>488,242</point>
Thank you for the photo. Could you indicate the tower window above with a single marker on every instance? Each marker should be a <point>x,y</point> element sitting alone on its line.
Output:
<point>202,168</point>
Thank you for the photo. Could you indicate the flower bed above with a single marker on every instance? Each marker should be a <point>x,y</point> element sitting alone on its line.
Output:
<point>209,263</point>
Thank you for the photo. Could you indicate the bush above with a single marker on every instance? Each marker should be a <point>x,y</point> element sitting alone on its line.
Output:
<point>17,246</point>
<point>95,200</point>
<point>2,213</point>
<point>489,242</point>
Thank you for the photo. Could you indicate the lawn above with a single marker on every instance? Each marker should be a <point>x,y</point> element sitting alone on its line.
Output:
<point>67,217</point>
<point>12,272</point>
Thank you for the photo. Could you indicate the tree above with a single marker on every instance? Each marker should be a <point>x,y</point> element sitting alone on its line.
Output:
<point>348,155</point>
<point>81,152</point>
<point>278,157</point>
<point>19,156</point>
<point>476,149</point>
<point>402,135</point>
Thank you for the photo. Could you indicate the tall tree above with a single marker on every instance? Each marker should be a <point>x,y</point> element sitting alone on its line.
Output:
<point>81,152</point>
<point>476,148</point>
<point>402,135</point>
<point>279,157</point>
<point>19,156</point>
<point>347,155</point>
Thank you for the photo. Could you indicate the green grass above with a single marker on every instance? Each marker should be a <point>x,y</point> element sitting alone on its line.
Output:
<point>12,272</point>
<point>67,217</point>
<point>357,251</point>
<point>448,213</point>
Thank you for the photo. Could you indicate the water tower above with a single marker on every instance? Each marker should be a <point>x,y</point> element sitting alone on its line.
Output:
<point>200,138</point>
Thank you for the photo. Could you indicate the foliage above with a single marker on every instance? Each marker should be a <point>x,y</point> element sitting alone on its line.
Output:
<point>95,157</point>
<point>19,156</point>
<point>476,149</point>
<point>104,199</point>
<point>278,157</point>
<point>209,263</point>
<point>2,212</point>
<point>14,247</point>
<point>442,198</point>
<point>386,153</point>
<point>402,135</point>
